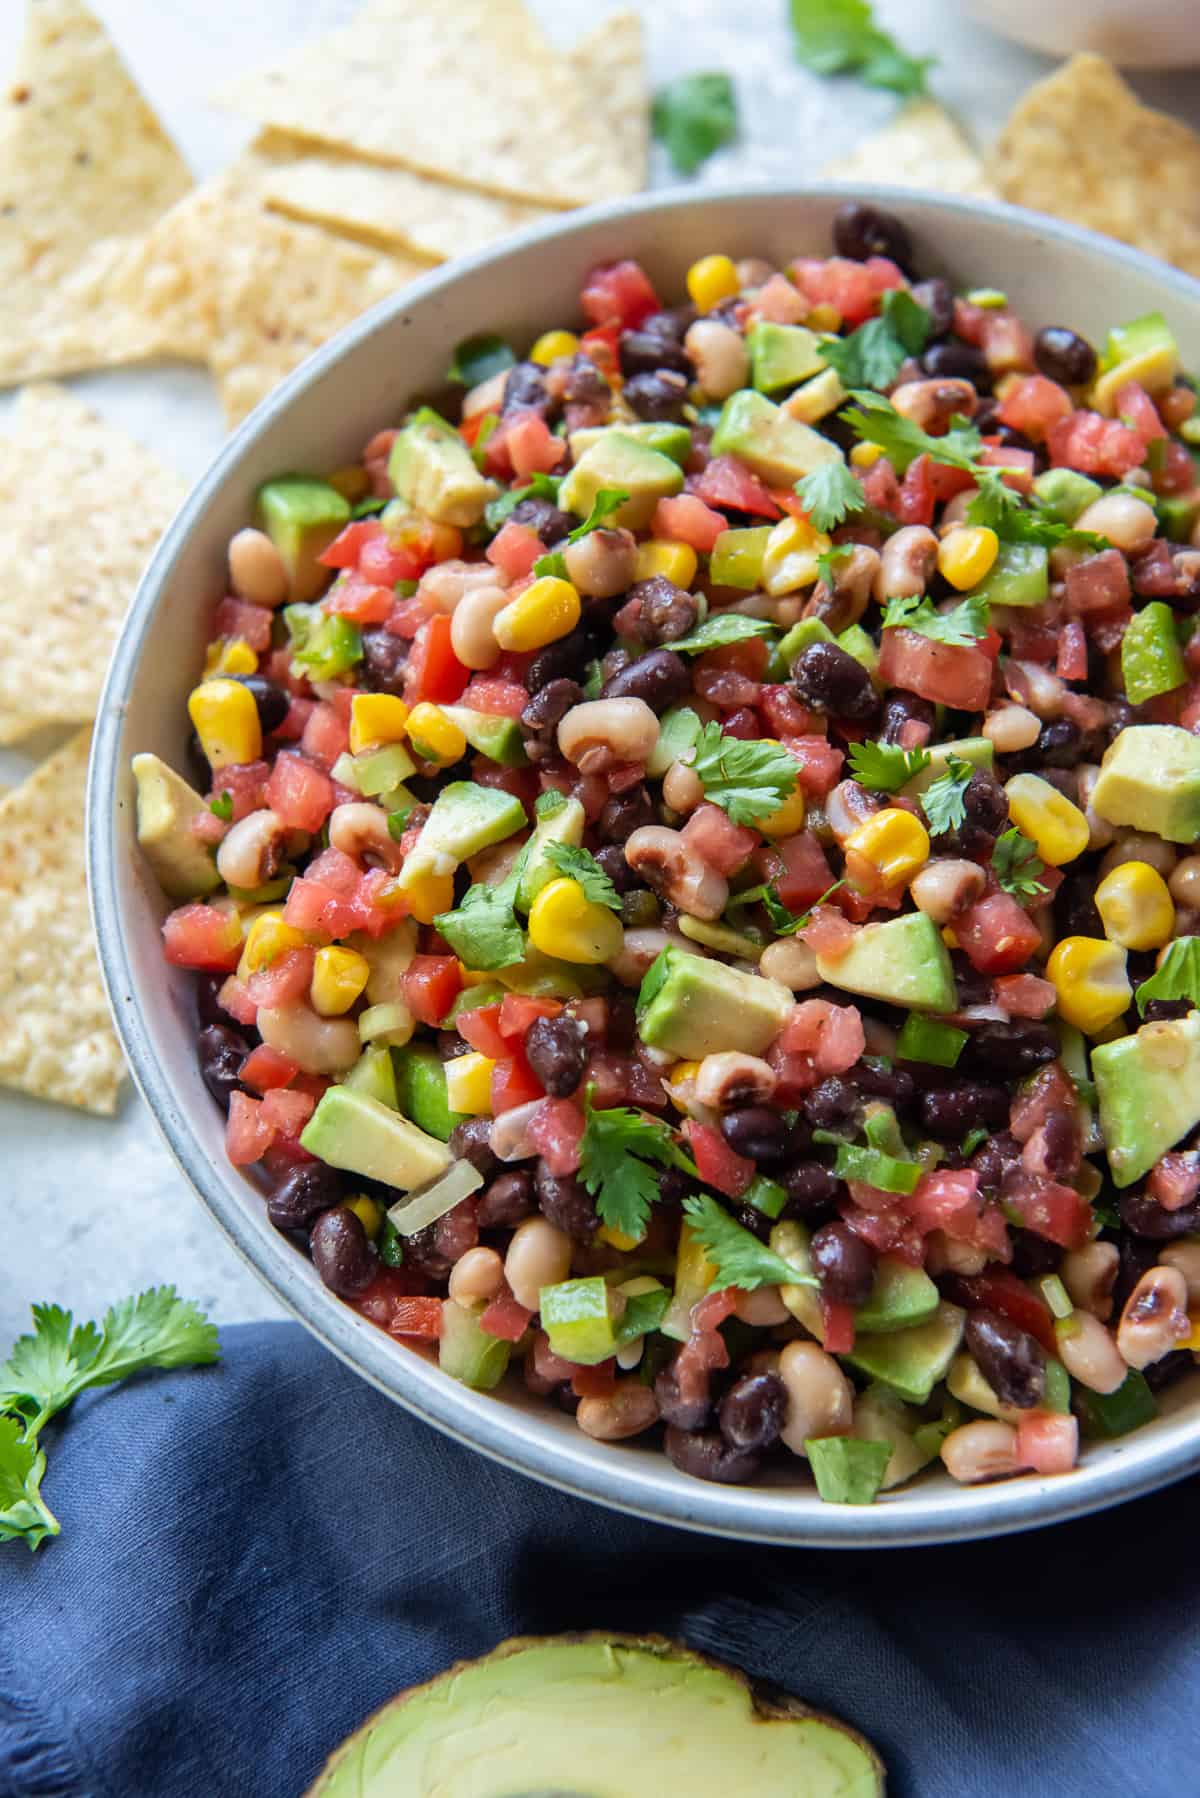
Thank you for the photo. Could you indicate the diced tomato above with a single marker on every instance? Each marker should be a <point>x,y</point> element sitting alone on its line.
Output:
<point>996,934</point>
<point>1072,653</point>
<point>686,519</point>
<point>1047,1442</point>
<point>265,1067</point>
<point>601,347</point>
<point>1177,473</point>
<point>618,293</point>
<point>514,549</point>
<point>1099,583</point>
<point>360,600</point>
<point>946,673</point>
<point>1007,342</point>
<point>1134,407</point>
<point>1024,995</point>
<point>717,1164</point>
<point>828,933</point>
<point>532,446</point>
<point>433,671</point>
<point>287,1112</point>
<point>1056,1212</point>
<point>795,1075</point>
<point>514,1082</point>
<point>335,870</point>
<point>784,714</point>
<point>779,301</point>
<point>298,714</point>
<point>517,1013</point>
<point>854,288</point>
<point>820,764</point>
<point>244,782</point>
<point>742,722</point>
<point>709,1314</point>
<point>1033,405</point>
<point>1175,1179</point>
<point>298,793</point>
<point>470,428</point>
<point>326,736</point>
<point>237,618</point>
<point>947,481</point>
<point>234,999</point>
<point>284,982</point>
<point>837,1326</point>
<point>1095,445</point>
<point>728,482</point>
<point>407,616</point>
<point>969,322</point>
<point>384,563</point>
<point>916,493</point>
<point>806,872</point>
<point>416,1317</point>
<point>343,552</point>
<point>390,1287</point>
<point>1017,465</point>
<point>947,1199</point>
<point>556,1130</point>
<point>200,936</point>
<point>208,829</point>
<point>248,1135</point>
<point>505,1318</point>
<point>594,1382</point>
<point>888,1231</point>
<point>592,1014</point>
<point>712,835</point>
<point>999,1290</point>
<point>499,698</point>
<point>831,1034</point>
<point>882,487</point>
<point>431,985</point>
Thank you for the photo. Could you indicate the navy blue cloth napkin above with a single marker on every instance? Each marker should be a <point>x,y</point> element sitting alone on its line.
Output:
<point>256,1555</point>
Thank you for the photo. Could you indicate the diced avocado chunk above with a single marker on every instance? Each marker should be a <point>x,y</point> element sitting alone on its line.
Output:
<point>692,1007</point>
<point>166,807</point>
<point>694,1274</point>
<point>496,737</point>
<point>1144,351</point>
<point>912,1361</point>
<point>677,733</point>
<point>901,1297</point>
<point>578,1317</point>
<point>618,460</point>
<point>782,355</point>
<point>1148,1091</point>
<point>1151,659</point>
<point>903,962</point>
<point>431,467</point>
<point>375,771</point>
<point>302,516</point>
<point>350,1130</point>
<point>779,449</point>
<point>389,958</point>
<point>467,1352</point>
<point>668,439</point>
<point>562,826</point>
<point>374,1075</point>
<point>848,1470</point>
<point>737,557</point>
<point>421,1091</point>
<point>881,1415</point>
<point>1020,576</point>
<point>465,819</point>
<point>801,636</point>
<point>1150,780</point>
<point>979,751</point>
<point>858,643</point>
<point>1065,493</point>
<point>817,398</point>
<point>1177,514</point>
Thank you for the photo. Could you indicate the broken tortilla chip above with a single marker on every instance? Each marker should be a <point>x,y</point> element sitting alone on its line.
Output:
<point>81,508</point>
<point>56,1037</point>
<point>1083,147</point>
<point>485,101</point>
<point>84,166</point>
<point>921,147</point>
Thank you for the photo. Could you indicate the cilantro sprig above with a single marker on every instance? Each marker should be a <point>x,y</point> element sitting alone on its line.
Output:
<point>1178,977</point>
<point>1017,864</point>
<point>748,778</point>
<point>621,1155</point>
<point>830,494</point>
<point>873,355</point>
<point>581,865</point>
<point>962,626</point>
<point>484,931</point>
<point>693,117</point>
<point>540,486</point>
<point>840,37</point>
<point>874,419</point>
<point>885,767</point>
<point>831,560</point>
<point>786,922</point>
<point>1001,509</point>
<point>48,1369</point>
<point>739,1257</point>
<point>720,629</point>
<point>944,800</point>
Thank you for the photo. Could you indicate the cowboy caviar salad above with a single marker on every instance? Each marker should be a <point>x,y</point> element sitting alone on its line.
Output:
<point>691,869</point>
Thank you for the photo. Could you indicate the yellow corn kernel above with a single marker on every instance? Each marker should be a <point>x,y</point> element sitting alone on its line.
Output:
<point>791,556</point>
<point>551,345</point>
<point>1136,906</point>
<point>617,1239</point>
<point>546,611</point>
<point>825,318</point>
<point>369,1213</point>
<point>676,562</point>
<point>949,937</point>
<point>894,842</point>
<point>267,938</point>
<point>966,554</point>
<point>1048,818</point>
<point>564,923</point>
<point>225,718</point>
<point>435,737</point>
<point>229,655</point>
<point>681,1081</point>
<point>469,1084</point>
<point>711,280</point>
<point>787,819</point>
<point>428,894</point>
<point>1090,980</point>
<point>339,976</point>
<point>376,718</point>
<point>865,455</point>
<point>352,482</point>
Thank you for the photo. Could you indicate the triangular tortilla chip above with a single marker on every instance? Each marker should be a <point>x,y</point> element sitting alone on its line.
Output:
<point>1082,146</point>
<point>921,147</point>
<point>468,91</point>
<point>84,166</point>
<point>611,65</point>
<point>56,1037</point>
<point>81,508</point>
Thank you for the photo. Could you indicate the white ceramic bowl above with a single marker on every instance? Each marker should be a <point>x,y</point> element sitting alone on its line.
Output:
<point>321,417</point>
<point>1155,34</point>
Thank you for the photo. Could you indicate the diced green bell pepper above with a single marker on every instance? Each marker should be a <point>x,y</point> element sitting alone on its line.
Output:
<point>799,638</point>
<point>857,643</point>
<point>737,557</point>
<point>467,1353</point>
<point>926,1039</point>
<point>1151,659</point>
<point>1109,1414</point>
<point>1020,576</point>
<point>328,648</point>
<point>577,1316</point>
<point>766,1196</point>
<point>875,1168</point>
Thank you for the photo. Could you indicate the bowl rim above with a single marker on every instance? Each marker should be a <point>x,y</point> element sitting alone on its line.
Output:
<point>748,1513</point>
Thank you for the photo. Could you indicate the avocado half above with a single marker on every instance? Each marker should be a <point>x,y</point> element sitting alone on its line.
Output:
<point>598,1716</point>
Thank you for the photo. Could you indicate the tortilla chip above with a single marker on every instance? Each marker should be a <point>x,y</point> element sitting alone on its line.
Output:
<point>1082,146</point>
<point>468,92</point>
<point>84,165</point>
<point>921,147</point>
<point>56,1038</point>
<point>81,508</point>
<point>610,63</point>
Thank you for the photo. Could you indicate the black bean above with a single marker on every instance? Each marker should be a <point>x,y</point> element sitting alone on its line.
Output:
<point>754,1220</point>
<point>644,352</point>
<point>937,297</point>
<point>665,611</point>
<point>450,1045</point>
<point>303,1193</point>
<point>1161,1011</point>
<point>986,802</point>
<point>901,708</point>
<point>556,1050</point>
<point>687,1407</point>
<point>624,813</point>
<point>271,702</point>
<point>844,1264</point>
<point>673,1184</point>
<point>565,1202</point>
<point>507,1200</point>
<point>471,1141</point>
<point>661,679</point>
<point>671,325</point>
<point>209,1010</point>
<point>1064,356</point>
<point>1146,1217</point>
<point>973,987</point>
<point>1060,1146</point>
<point>525,390</point>
<point>1004,1050</point>
<point>1009,1358</point>
<point>658,398</point>
<point>753,1412</point>
<point>896,1085</point>
<point>1168,1368</point>
<point>757,1132</point>
<point>861,232</point>
<point>994,1157</point>
<point>828,679</point>
<point>584,384</point>
<point>954,1110</point>
<point>615,661</point>
<point>547,709</point>
<point>811,1190</point>
<point>612,859</point>
<point>565,659</point>
<point>434,1250</point>
<point>381,669</point>
<point>543,516</point>
<point>957,361</point>
<point>221,1051</point>
<point>1136,1255</point>
<point>1075,911</point>
<point>197,763</point>
<point>833,1103</point>
<point>1034,1255</point>
<point>707,1456</point>
<point>341,1253</point>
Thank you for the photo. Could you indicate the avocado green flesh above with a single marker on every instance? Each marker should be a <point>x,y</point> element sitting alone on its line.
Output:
<point>431,467</point>
<point>465,819</point>
<point>701,1007</point>
<point>1148,1093</point>
<point>302,516</point>
<point>351,1130</point>
<point>668,439</point>
<point>498,738</point>
<point>166,806</point>
<point>912,1361</point>
<point>618,460</point>
<point>1150,779</point>
<point>596,1718</point>
<point>782,355</point>
<point>563,826</point>
<point>903,962</point>
<point>421,1091</point>
<point>779,449</point>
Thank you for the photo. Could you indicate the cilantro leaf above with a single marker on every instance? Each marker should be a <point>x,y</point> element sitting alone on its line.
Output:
<point>581,865</point>
<point>748,778</point>
<point>1000,508</point>
<point>548,803</point>
<point>875,420</point>
<point>483,932</point>
<point>1179,975</point>
<point>832,560</point>
<point>24,1515</point>
<point>607,501</point>
<point>739,1257</point>
<point>944,801</point>
<point>885,767</point>
<point>1017,864</point>
<point>222,806</point>
<point>693,117</point>
<point>785,922</point>
<point>872,356</point>
<point>615,1156</point>
<point>963,625</point>
<point>540,486</point>
<point>719,629</point>
<point>829,494</point>
<point>839,37</point>
<point>476,359</point>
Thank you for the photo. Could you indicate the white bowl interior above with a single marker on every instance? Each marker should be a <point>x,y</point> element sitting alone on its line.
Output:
<point>321,418</point>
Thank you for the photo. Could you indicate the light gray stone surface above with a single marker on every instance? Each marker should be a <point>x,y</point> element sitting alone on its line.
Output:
<point>90,1210</point>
